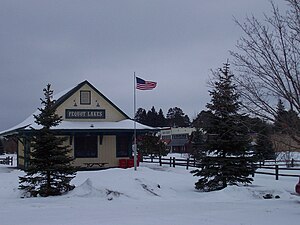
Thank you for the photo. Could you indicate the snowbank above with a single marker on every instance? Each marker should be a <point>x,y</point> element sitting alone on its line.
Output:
<point>150,195</point>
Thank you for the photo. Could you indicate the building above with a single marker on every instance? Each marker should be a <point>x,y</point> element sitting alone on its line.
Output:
<point>97,131</point>
<point>177,139</point>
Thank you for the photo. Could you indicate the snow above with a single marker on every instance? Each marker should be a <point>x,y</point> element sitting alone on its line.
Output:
<point>288,155</point>
<point>126,124</point>
<point>150,195</point>
<point>95,125</point>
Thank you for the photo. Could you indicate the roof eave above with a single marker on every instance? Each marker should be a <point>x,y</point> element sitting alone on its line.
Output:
<point>80,85</point>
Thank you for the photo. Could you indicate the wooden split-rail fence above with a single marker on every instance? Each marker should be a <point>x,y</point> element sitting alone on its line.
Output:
<point>268,167</point>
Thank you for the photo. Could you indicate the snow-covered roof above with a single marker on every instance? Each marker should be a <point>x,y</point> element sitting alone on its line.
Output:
<point>126,124</point>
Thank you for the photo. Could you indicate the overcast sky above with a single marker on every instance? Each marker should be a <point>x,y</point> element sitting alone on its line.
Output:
<point>64,42</point>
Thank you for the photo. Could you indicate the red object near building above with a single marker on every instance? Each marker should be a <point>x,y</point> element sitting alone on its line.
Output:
<point>130,163</point>
<point>127,163</point>
<point>297,188</point>
<point>123,163</point>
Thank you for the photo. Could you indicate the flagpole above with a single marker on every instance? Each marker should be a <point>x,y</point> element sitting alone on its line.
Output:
<point>134,110</point>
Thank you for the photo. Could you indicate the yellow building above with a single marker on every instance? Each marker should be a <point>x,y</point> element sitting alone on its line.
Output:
<point>97,131</point>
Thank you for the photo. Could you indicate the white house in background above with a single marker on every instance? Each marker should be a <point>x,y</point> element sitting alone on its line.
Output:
<point>177,139</point>
<point>97,131</point>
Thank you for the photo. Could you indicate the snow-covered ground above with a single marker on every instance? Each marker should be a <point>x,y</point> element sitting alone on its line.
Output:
<point>149,196</point>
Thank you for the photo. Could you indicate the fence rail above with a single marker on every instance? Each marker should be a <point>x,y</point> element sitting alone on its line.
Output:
<point>289,162</point>
<point>275,167</point>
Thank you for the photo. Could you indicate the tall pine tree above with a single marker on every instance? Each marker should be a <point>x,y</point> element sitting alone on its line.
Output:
<point>161,119</point>
<point>50,171</point>
<point>177,118</point>
<point>141,116</point>
<point>226,160</point>
<point>280,118</point>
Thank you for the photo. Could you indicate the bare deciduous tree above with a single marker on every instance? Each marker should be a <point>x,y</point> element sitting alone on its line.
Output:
<point>268,61</point>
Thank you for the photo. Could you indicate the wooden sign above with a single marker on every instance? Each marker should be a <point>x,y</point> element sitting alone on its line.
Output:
<point>85,114</point>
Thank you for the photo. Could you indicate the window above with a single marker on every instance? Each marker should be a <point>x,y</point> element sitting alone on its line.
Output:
<point>180,136</point>
<point>85,97</point>
<point>123,145</point>
<point>86,146</point>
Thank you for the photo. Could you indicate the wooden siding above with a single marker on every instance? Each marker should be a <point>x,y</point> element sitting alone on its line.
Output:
<point>21,153</point>
<point>112,114</point>
<point>106,153</point>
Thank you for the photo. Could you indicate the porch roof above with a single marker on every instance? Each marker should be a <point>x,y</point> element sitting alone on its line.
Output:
<point>123,125</point>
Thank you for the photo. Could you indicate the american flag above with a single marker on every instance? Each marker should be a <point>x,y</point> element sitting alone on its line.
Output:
<point>144,84</point>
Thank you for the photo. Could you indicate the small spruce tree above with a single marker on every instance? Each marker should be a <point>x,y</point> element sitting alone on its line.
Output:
<point>197,144</point>
<point>50,171</point>
<point>227,159</point>
<point>152,145</point>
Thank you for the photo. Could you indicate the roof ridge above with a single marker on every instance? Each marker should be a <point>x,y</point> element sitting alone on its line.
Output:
<point>64,97</point>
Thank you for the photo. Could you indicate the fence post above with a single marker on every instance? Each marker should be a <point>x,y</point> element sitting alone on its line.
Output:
<point>187,163</point>
<point>194,162</point>
<point>152,158</point>
<point>173,161</point>
<point>276,172</point>
<point>292,162</point>
<point>8,161</point>
<point>160,160</point>
<point>170,161</point>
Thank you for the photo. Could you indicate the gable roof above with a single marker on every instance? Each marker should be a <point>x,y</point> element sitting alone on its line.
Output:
<point>67,95</point>
<point>126,125</point>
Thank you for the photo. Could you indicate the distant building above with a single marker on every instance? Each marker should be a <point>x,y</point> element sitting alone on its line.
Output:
<point>97,131</point>
<point>177,139</point>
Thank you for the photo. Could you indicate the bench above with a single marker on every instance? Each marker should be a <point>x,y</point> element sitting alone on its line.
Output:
<point>92,164</point>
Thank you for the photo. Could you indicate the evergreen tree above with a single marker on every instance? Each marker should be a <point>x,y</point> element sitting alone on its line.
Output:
<point>50,170</point>
<point>227,159</point>
<point>197,144</point>
<point>161,120</point>
<point>177,118</point>
<point>264,147</point>
<point>203,119</point>
<point>186,121</point>
<point>152,117</point>
<point>292,123</point>
<point>262,144</point>
<point>286,121</point>
<point>281,117</point>
<point>141,116</point>
<point>152,145</point>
